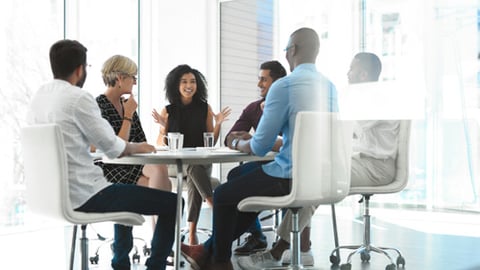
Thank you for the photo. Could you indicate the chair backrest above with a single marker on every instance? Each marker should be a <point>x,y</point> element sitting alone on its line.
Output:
<point>45,165</point>
<point>46,175</point>
<point>401,174</point>
<point>402,162</point>
<point>321,156</point>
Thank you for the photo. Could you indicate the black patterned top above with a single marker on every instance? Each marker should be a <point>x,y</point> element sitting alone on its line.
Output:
<point>126,174</point>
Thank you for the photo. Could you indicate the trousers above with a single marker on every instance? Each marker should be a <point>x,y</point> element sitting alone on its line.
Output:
<point>242,183</point>
<point>141,200</point>
<point>199,187</point>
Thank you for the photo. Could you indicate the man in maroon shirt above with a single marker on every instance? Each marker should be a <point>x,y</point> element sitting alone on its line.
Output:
<point>269,72</point>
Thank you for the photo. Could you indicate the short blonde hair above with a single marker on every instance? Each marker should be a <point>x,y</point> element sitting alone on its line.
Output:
<point>117,65</point>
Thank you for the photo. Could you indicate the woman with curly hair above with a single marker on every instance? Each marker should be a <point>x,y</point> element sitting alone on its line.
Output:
<point>190,114</point>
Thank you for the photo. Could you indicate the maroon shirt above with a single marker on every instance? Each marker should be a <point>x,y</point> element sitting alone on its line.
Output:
<point>248,119</point>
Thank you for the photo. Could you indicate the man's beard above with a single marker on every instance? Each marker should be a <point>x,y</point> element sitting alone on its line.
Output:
<point>82,80</point>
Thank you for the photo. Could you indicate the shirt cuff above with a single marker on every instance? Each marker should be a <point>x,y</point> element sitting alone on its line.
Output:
<point>117,148</point>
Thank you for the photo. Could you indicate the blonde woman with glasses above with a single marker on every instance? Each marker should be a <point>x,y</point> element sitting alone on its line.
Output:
<point>119,74</point>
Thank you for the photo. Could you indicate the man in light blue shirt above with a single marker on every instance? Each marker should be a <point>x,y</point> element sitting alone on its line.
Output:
<point>373,163</point>
<point>305,89</point>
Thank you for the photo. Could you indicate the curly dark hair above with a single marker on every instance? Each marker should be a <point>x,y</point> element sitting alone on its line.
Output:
<point>172,82</point>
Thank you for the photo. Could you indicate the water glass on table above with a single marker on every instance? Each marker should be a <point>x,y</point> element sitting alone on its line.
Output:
<point>208,140</point>
<point>175,141</point>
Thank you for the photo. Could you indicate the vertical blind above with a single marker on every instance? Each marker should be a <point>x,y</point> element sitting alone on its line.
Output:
<point>246,40</point>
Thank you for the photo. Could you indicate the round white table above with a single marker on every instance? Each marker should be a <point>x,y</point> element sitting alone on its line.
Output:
<point>187,156</point>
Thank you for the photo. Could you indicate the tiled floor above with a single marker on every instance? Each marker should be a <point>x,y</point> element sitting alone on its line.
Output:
<point>428,240</point>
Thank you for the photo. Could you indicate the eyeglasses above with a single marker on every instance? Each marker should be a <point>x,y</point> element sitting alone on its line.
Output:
<point>134,77</point>
<point>289,47</point>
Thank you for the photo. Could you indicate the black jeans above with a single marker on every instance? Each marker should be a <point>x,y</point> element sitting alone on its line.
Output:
<point>141,200</point>
<point>228,222</point>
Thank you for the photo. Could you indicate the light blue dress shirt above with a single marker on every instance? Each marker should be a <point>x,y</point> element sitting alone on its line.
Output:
<point>305,89</point>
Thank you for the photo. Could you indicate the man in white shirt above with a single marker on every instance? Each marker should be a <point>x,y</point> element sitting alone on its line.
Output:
<point>375,141</point>
<point>373,163</point>
<point>63,102</point>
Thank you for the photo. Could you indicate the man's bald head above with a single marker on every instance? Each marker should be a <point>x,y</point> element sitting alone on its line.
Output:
<point>303,47</point>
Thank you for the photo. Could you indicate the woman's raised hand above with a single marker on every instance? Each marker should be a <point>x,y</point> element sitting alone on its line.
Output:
<point>222,115</point>
<point>129,106</point>
<point>159,119</point>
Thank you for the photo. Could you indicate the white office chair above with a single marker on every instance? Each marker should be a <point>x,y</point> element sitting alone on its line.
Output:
<point>321,151</point>
<point>398,184</point>
<point>46,174</point>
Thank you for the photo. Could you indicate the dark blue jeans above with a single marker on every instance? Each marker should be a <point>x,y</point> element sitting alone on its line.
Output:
<point>256,227</point>
<point>228,223</point>
<point>141,200</point>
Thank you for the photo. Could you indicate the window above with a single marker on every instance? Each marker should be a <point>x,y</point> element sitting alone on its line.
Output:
<point>106,28</point>
<point>24,66</point>
<point>140,30</point>
<point>430,53</point>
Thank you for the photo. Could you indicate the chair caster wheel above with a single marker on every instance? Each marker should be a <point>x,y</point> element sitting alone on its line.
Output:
<point>170,263</point>
<point>136,258</point>
<point>365,257</point>
<point>346,266</point>
<point>334,260</point>
<point>146,251</point>
<point>391,267</point>
<point>401,261</point>
<point>94,259</point>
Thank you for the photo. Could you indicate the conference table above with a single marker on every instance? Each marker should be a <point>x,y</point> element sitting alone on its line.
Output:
<point>187,156</point>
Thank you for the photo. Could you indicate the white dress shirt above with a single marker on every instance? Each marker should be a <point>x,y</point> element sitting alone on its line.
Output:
<point>78,115</point>
<point>376,138</point>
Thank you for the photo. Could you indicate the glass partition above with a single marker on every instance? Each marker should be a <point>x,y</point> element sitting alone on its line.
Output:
<point>433,46</point>
<point>430,54</point>
<point>24,66</point>
<point>106,28</point>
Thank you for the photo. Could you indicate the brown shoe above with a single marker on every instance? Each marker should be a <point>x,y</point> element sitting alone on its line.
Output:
<point>196,255</point>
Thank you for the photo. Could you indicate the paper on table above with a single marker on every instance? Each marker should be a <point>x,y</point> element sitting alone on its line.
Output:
<point>225,150</point>
<point>161,147</point>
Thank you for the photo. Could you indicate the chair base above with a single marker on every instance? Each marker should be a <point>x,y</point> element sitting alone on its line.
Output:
<point>364,251</point>
<point>292,267</point>
<point>136,254</point>
<point>365,248</point>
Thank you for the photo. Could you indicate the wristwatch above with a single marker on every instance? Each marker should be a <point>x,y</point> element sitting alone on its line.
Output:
<point>235,143</point>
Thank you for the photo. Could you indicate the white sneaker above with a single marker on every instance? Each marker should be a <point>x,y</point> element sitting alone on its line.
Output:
<point>306,258</point>
<point>258,261</point>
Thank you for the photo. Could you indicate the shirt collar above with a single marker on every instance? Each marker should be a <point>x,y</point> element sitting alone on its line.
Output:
<point>305,66</point>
